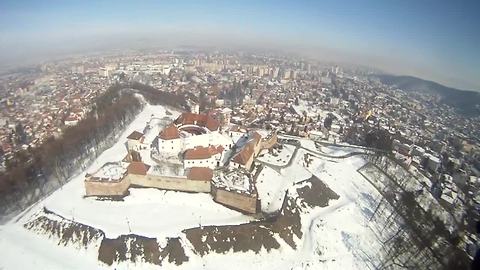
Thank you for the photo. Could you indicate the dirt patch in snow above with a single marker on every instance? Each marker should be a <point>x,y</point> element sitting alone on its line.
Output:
<point>316,193</point>
<point>137,248</point>
<point>259,235</point>
<point>67,232</point>
<point>130,247</point>
<point>254,236</point>
<point>114,198</point>
<point>221,239</point>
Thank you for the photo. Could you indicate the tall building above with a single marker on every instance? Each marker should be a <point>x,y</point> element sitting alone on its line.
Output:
<point>294,74</point>
<point>276,70</point>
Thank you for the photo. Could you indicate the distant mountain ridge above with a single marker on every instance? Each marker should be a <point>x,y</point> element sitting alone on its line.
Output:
<point>464,101</point>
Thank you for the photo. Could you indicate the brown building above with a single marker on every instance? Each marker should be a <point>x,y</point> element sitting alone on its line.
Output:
<point>134,140</point>
<point>203,120</point>
<point>244,157</point>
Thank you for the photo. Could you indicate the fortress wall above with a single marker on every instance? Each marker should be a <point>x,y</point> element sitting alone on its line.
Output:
<point>236,200</point>
<point>249,163</point>
<point>169,182</point>
<point>267,144</point>
<point>107,188</point>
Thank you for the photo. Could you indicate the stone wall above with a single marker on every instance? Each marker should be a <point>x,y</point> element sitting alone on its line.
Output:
<point>247,165</point>
<point>269,143</point>
<point>236,200</point>
<point>106,188</point>
<point>179,183</point>
<point>256,148</point>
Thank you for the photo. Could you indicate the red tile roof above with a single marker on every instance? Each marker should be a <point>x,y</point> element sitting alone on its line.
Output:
<point>198,119</point>
<point>200,173</point>
<point>197,153</point>
<point>136,167</point>
<point>248,149</point>
<point>244,154</point>
<point>212,124</point>
<point>169,133</point>
<point>200,152</point>
<point>216,149</point>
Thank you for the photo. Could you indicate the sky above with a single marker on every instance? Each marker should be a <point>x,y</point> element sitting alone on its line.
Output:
<point>435,40</point>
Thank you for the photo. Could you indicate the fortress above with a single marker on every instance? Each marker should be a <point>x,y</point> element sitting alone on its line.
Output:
<point>193,153</point>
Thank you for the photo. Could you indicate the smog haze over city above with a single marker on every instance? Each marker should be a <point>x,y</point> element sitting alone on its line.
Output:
<point>239,134</point>
<point>435,40</point>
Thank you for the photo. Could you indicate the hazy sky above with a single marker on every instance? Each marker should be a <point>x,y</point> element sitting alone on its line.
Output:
<point>437,40</point>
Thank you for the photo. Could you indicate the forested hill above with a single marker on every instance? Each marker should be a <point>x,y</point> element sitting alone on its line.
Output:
<point>33,173</point>
<point>151,94</point>
<point>464,101</point>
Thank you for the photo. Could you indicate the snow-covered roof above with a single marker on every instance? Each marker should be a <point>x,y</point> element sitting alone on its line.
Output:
<point>110,171</point>
<point>166,169</point>
<point>226,110</point>
<point>236,180</point>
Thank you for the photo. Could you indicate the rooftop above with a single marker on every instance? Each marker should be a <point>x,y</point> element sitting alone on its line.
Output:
<point>135,135</point>
<point>237,180</point>
<point>200,173</point>
<point>110,171</point>
<point>167,169</point>
<point>137,167</point>
<point>200,152</point>
<point>198,119</point>
<point>169,133</point>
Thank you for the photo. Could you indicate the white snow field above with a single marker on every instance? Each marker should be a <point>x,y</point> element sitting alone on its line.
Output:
<point>280,157</point>
<point>334,237</point>
<point>148,212</point>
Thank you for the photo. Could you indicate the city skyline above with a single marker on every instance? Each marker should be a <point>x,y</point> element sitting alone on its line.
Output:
<point>432,40</point>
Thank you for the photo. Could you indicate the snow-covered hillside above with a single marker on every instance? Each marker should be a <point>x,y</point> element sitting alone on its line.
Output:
<point>324,208</point>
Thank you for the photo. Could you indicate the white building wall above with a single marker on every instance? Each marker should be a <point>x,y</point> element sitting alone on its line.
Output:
<point>170,146</point>
<point>133,144</point>
<point>218,157</point>
<point>217,138</point>
<point>235,200</point>
<point>207,163</point>
<point>198,140</point>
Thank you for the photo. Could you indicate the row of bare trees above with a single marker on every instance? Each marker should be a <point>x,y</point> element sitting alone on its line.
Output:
<point>157,97</point>
<point>36,172</point>
<point>423,238</point>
